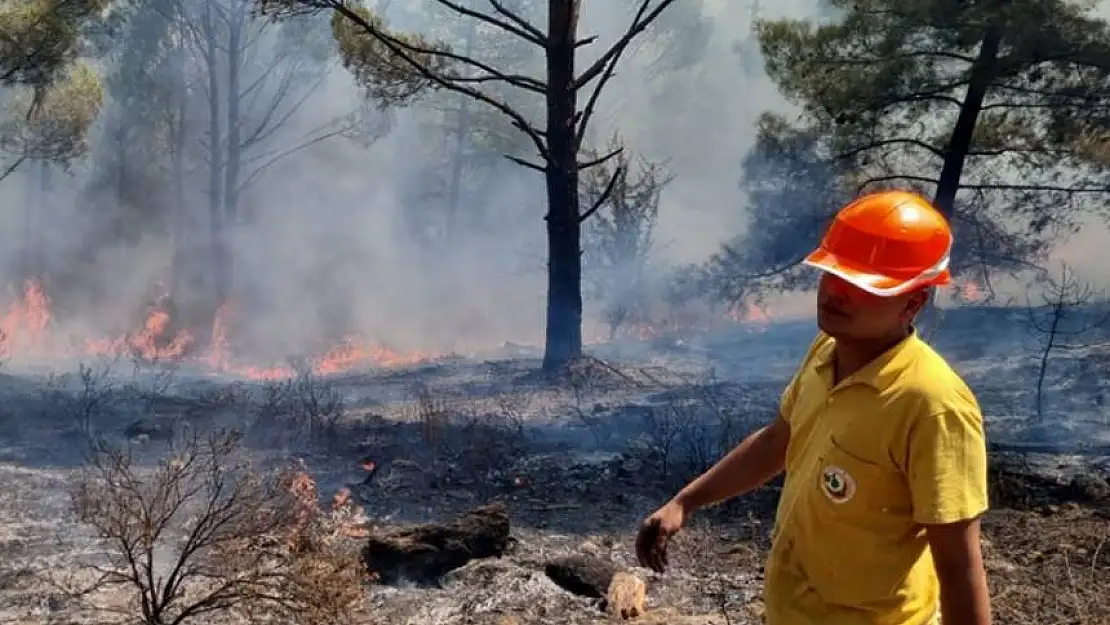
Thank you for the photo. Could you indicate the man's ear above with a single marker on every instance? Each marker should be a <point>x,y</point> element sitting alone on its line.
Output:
<point>917,301</point>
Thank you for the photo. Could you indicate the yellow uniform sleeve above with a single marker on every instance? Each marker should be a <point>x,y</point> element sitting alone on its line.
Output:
<point>786,402</point>
<point>947,467</point>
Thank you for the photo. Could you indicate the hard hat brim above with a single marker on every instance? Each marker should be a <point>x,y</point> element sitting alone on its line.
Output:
<point>867,281</point>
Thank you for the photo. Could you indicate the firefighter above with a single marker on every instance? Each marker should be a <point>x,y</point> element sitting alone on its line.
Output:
<point>880,441</point>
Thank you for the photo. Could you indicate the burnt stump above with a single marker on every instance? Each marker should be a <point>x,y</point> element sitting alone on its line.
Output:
<point>423,554</point>
<point>585,576</point>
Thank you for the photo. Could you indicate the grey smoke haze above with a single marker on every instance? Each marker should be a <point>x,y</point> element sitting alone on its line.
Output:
<point>332,245</point>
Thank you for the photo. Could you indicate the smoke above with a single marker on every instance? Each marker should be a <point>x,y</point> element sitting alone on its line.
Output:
<point>347,236</point>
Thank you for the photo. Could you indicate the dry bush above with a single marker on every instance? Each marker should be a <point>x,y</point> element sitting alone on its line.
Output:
<point>270,408</point>
<point>318,408</point>
<point>94,397</point>
<point>686,436</point>
<point>591,418</point>
<point>150,383</point>
<point>434,418</point>
<point>204,534</point>
<point>470,442</point>
<point>303,411</point>
<point>219,398</point>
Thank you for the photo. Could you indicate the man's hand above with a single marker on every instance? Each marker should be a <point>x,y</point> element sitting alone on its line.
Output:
<point>651,542</point>
<point>964,597</point>
<point>753,462</point>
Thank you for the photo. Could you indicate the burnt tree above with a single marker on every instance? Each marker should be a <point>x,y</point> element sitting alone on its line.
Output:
<point>1072,316</point>
<point>395,66</point>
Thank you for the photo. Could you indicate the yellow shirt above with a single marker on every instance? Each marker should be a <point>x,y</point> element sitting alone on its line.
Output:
<point>892,448</point>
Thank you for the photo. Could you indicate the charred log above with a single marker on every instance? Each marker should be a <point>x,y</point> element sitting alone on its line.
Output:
<point>582,575</point>
<point>425,553</point>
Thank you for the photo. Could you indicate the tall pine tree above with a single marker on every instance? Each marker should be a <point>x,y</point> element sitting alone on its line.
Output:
<point>989,106</point>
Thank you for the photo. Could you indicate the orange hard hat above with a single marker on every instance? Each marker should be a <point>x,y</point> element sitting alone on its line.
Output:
<point>887,244</point>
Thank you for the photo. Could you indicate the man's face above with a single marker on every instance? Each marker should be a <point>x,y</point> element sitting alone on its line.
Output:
<point>845,311</point>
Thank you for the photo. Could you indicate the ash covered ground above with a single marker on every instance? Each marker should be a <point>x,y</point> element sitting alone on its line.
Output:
<point>578,461</point>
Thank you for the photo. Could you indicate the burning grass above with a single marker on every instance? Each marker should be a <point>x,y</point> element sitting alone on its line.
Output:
<point>29,329</point>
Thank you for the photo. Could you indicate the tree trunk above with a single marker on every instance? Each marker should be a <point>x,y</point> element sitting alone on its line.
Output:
<point>983,72</point>
<point>216,165</point>
<point>30,202</point>
<point>179,224</point>
<point>564,266</point>
<point>462,130</point>
<point>44,213</point>
<point>119,220</point>
<point>234,139</point>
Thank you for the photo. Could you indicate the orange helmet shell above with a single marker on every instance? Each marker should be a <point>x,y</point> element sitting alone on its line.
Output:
<point>887,244</point>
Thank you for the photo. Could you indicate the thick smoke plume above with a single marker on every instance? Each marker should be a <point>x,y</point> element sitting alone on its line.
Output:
<point>359,233</point>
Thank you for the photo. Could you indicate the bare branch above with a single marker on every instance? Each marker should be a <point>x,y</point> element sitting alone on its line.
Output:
<point>279,156</point>
<point>643,19</point>
<point>406,52</point>
<point>526,163</point>
<point>541,38</point>
<point>591,103</point>
<point>888,142</point>
<point>601,160</point>
<point>516,26</point>
<point>604,195</point>
<point>10,169</point>
<point>983,187</point>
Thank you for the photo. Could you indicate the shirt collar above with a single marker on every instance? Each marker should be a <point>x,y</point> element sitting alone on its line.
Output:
<point>881,372</point>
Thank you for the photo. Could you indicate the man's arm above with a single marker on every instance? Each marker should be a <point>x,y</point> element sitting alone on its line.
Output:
<point>751,464</point>
<point>947,470</point>
<point>964,596</point>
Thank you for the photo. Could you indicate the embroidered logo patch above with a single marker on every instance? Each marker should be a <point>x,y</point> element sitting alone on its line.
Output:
<point>837,485</point>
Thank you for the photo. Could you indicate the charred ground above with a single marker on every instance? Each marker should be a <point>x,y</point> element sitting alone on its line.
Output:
<point>578,461</point>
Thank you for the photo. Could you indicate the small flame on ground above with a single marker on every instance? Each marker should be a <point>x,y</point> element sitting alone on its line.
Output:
<point>28,328</point>
<point>970,292</point>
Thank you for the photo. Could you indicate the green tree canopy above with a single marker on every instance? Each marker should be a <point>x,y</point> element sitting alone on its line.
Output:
<point>989,106</point>
<point>51,124</point>
<point>52,101</point>
<point>39,38</point>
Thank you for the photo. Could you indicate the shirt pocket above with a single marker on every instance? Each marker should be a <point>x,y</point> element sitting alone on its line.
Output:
<point>860,490</point>
<point>861,518</point>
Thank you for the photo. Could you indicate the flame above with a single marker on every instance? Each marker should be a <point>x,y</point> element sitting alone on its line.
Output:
<point>28,328</point>
<point>970,292</point>
<point>148,343</point>
<point>28,321</point>
<point>754,318</point>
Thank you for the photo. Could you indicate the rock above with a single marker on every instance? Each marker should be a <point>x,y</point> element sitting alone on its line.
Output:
<point>626,595</point>
<point>425,553</point>
<point>590,549</point>
<point>582,575</point>
<point>151,428</point>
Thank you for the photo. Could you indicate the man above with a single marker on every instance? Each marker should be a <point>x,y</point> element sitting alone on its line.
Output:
<point>881,443</point>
